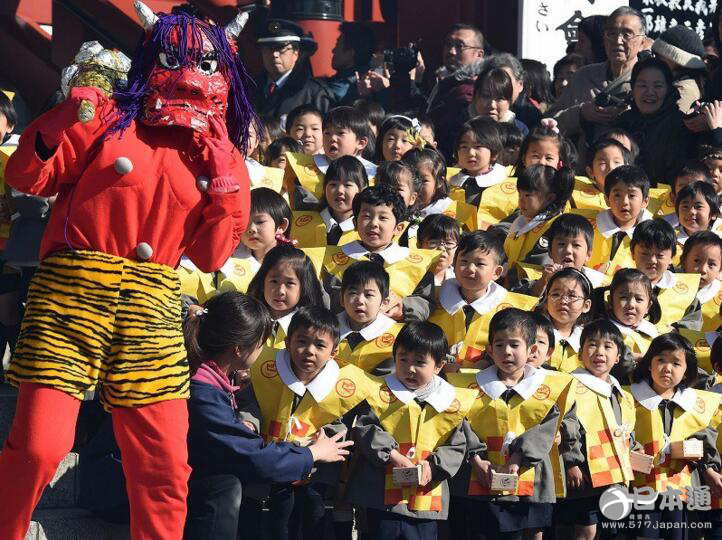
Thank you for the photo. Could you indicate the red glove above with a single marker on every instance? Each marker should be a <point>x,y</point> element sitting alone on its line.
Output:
<point>65,115</point>
<point>220,157</point>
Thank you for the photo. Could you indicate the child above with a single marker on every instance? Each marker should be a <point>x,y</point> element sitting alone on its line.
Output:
<point>276,151</point>
<point>428,131</point>
<point>367,335</point>
<point>544,145</point>
<point>567,301</point>
<point>603,156</point>
<point>713,161</point>
<point>297,395</point>
<point>333,226</point>
<point>414,419</point>
<point>397,135</point>
<point>285,282</point>
<point>543,192</point>
<point>305,124</point>
<point>687,173</point>
<point>440,232</point>
<point>653,248</point>
<point>470,300</point>
<point>224,453</point>
<point>378,214</point>
<point>597,437</point>
<point>514,423</point>
<point>702,254</point>
<point>669,411</point>
<point>511,139</point>
<point>545,342</point>
<point>697,209</point>
<point>402,178</point>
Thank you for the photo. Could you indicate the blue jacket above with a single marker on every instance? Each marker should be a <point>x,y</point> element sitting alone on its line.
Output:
<point>219,443</point>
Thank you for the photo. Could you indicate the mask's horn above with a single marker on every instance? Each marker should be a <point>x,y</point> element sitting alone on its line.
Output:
<point>234,28</point>
<point>146,15</point>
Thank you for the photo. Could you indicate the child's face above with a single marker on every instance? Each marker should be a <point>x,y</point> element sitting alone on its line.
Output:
<point>473,157</point>
<point>415,369</point>
<point>279,162</point>
<point>428,184</point>
<point>652,261</point>
<point>542,152</point>
<point>338,141</point>
<point>428,135</point>
<point>376,225</point>
<point>566,302</point>
<point>715,170</point>
<point>406,189</point>
<point>630,303</point>
<point>626,203</point>
<point>543,352</point>
<point>5,128</point>
<point>599,354</point>
<point>310,350</point>
<point>510,155</point>
<point>570,251</point>
<point>695,214</point>
<point>340,195</point>
<point>533,202</point>
<point>307,129</point>
<point>363,303</point>
<point>605,160</point>
<point>447,250</point>
<point>705,261</point>
<point>667,370</point>
<point>510,352</point>
<point>475,270</point>
<point>685,180</point>
<point>282,290</point>
<point>261,232</point>
<point>395,144</point>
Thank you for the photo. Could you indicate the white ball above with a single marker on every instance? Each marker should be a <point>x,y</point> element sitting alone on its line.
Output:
<point>202,182</point>
<point>144,251</point>
<point>123,165</point>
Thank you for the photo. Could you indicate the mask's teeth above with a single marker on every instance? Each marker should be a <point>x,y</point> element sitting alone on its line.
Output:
<point>158,104</point>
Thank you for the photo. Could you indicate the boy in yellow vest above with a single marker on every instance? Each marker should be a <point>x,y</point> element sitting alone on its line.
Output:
<point>598,435</point>
<point>702,254</point>
<point>687,173</point>
<point>604,155</point>
<point>415,421</point>
<point>295,396</point>
<point>378,214</point>
<point>367,335</point>
<point>468,302</point>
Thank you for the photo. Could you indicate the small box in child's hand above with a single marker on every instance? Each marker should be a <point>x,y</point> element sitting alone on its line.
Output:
<point>689,449</point>
<point>641,462</point>
<point>504,481</point>
<point>407,476</point>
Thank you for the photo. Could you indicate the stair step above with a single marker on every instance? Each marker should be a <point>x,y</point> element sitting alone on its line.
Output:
<point>73,524</point>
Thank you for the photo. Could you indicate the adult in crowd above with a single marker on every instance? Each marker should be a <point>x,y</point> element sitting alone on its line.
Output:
<point>351,57</point>
<point>522,107</point>
<point>590,39</point>
<point>564,71</point>
<point>287,82</point>
<point>537,83</point>
<point>713,90</point>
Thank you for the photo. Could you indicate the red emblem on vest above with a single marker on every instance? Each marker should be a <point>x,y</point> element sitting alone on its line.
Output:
<point>345,388</point>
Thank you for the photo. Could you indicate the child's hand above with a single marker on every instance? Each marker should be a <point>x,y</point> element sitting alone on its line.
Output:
<point>397,459</point>
<point>714,480</point>
<point>575,478</point>
<point>558,438</point>
<point>549,271</point>
<point>425,472</point>
<point>509,468</point>
<point>451,368</point>
<point>395,308</point>
<point>482,469</point>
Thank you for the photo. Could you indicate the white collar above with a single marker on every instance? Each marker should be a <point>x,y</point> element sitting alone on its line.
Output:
<point>644,326</point>
<point>284,321</point>
<point>440,399</point>
<point>596,384</point>
<point>319,387</point>
<point>572,340</point>
<point>452,301</point>
<point>706,293</point>
<point>448,274</point>
<point>371,331</point>
<point>488,381</point>
<point>597,278</point>
<point>186,263</point>
<point>438,207</point>
<point>244,254</point>
<point>496,175</point>
<point>391,254</point>
<point>281,80</point>
<point>322,162</point>
<point>607,227</point>
<point>649,399</point>
<point>522,225</point>
<point>255,171</point>
<point>329,221</point>
<point>672,219</point>
<point>667,280</point>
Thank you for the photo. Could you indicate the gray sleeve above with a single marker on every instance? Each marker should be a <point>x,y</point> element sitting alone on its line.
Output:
<point>447,459</point>
<point>692,317</point>
<point>248,408</point>
<point>332,287</point>
<point>566,111</point>
<point>710,457</point>
<point>535,444</point>
<point>571,445</point>
<point>474,445</point>
<point>304,199</point>
<point>29,206</point>
<point>419,305</point>
<point>372,441</point>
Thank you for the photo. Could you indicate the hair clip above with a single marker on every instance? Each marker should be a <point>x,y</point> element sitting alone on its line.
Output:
<point>550,123</point>
<point>283,239</point>
<point>199,312</point>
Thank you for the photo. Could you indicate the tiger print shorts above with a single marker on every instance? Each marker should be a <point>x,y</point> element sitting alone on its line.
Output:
<point>94,318</point>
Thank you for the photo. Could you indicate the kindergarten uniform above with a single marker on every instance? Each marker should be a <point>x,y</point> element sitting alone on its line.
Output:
<point>472,188</point>
<point>677,297</point>
<point>262,176</point>
<point>318,229</point>
<point>710,299</point>
<point>463,213</point>
<point>238,271</point>
<point>565,357</point>
<point>194,283</point>
<point>636,340</point>
<point>528,274</point>
<point>371,348</point>
<point>526,241</point>
<point>611,245</point>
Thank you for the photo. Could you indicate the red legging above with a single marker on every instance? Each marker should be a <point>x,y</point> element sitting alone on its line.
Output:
<point>152,441</point>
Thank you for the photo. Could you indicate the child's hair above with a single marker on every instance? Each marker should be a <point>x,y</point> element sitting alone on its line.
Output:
<point>511,135</point>
<point>546,179</point>
<point>485,132</point>
<point>311,292</point>
<point>700,238</point>
<point>513,319</point>
<point>378,195</point>
<point>542,322</point>
<point>670,341</point>
<point>424,338</point>
<point>634,147</point>
<point>654,233</point>
<point>426,121</point>
<point>602,329</point>
<point>570,225</point>
<point>390,122</point>
<point>389,174</point>
<point>583,282</point>
<point>537,83</point>
<point>280,146</point>
<point>630,176</point>
<point>229,319</point>
<point>438,227</point>
<point>690,167</point>
<point>606,142</point>
<point>345,117</point>
<point>625,276</point>
<point>499,84</point>
<point>8,111</point>
<point>315,317</point>
<point>362,272</point>
<point>567,152</point>
<point>266,201</point>
<point>706,190</point>
<point>417,157</point>
<point>371,109</point>
<point>485,241</point>
<point>347,168</point>
<point>299,111</point>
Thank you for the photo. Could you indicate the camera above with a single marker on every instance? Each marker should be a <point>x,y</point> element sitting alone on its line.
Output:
<point>604,99</point>
<point>402,59</point>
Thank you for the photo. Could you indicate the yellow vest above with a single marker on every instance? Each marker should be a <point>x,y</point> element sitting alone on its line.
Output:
<point>498,202</point>
<point>565,359</point>
<point>710,313</point>
<point>702,347</point>
<point>533,272</point>
<point>675,300</point>
<point>422,429</point>
<point>369,354</point>
<point>238,275</point>
<point>196,283</point>
<point>303,168</point>
<point>310,230</point>
<point>517,248</point>
<point>586,195</point>
<point>272,178</point>
<point>566,400</point>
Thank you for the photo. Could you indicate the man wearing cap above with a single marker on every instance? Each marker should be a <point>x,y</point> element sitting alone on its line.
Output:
<point>287,82</point>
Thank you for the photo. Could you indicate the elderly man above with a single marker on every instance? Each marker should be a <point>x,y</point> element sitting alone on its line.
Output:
<point>579,114</point>
<point>287,82</point>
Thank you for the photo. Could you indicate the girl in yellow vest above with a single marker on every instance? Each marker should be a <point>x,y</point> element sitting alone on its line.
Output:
<point>285,282</point>
<point>598,434</point>
<point>702,254</point>
<point>415,421</point>
<point>697,210</point>
<point>439,232</point>
<point>668,412</point>
<point>543,192</point>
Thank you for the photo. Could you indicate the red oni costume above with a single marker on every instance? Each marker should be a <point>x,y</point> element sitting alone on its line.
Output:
<point>152,175</point>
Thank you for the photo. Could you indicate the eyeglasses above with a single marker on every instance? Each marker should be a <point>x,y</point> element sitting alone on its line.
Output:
<point>627,35</point>
<point>280,48</point>
<point>565,298</point>
<point>446,246</point>
<point>458,45</point>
